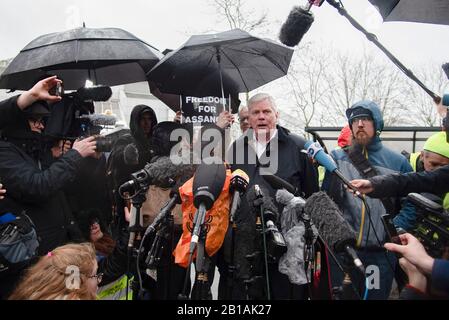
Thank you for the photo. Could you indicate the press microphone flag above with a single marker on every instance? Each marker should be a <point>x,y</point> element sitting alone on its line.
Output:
<point>239,183</point>
<point>316,152</point>
<point>208,183</point>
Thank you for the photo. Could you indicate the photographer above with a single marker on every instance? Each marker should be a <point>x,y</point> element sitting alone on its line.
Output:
<point>33,187</point>
<point>418,264</point>
<point>11,108</point>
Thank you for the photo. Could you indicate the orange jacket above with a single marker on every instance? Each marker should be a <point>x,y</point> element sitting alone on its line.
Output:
<point>217,220</point>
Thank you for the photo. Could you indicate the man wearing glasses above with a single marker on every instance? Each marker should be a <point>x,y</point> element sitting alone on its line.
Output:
<point>368,157</point>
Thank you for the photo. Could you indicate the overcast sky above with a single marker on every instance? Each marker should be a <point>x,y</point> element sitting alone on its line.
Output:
<point>168,23</point>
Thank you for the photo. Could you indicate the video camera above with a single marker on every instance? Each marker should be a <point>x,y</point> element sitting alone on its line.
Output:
<point>75,118</point>
<point>432,223</point>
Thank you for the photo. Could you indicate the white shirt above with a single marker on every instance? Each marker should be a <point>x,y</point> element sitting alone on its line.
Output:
<point>260,146</point>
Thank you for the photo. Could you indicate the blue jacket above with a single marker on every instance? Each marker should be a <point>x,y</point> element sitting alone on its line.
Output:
<point>385,161</point>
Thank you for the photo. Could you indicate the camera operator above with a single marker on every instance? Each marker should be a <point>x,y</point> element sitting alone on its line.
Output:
<point>33,187</point>
<point>418,264</point>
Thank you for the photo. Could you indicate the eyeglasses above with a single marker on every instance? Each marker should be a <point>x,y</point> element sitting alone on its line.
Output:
<point>37,122</point>
<point>98,276</point>
<point>362,118</point>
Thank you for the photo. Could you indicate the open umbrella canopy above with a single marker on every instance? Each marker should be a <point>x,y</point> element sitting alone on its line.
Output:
<point>425,11</point>
<point>107,56</point>
<point>234,61</point>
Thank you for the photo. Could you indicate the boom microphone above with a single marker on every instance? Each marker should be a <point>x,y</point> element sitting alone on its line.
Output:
<point>239,183</point>
<point>298,23</point>
<point>332,227</point>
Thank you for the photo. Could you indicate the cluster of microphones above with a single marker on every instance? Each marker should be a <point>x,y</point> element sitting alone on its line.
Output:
<point>208,182</point>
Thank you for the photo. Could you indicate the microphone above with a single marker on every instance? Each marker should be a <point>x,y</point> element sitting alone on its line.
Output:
<point>258,197</point>
<point>98,119</point>
<point>239,183</point>
<point>95,93</point>
<point>316,152</point>
<point>175,199</point>
<point>295,27</point>
<point>208,182</point>
<point>278,183</point>
<point>161,173</point>
<point>332,227</point>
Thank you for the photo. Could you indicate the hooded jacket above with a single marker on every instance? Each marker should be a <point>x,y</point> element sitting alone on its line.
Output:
<point>384,161</point>
<point>34,189</point>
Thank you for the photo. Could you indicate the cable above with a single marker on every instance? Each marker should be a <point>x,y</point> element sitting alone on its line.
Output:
<point>365,296</point>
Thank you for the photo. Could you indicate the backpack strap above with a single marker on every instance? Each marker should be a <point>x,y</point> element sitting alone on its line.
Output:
<point>366,170</point>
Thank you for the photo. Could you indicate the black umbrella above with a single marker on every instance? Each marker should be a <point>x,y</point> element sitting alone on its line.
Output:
<point>220,64</point>
<point>107,56</point>
<point>425,11</point>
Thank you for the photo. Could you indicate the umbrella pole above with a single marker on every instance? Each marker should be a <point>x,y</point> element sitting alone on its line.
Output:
<point>372,37</point>
<point>221,77</point>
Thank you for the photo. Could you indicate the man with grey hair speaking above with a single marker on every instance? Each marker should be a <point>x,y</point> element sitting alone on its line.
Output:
<point>265,148</point>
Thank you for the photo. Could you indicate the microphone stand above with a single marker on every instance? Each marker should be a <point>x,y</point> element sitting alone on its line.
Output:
<point>135,227</point>
<point>202,265</point>
<point>264,239</point>
<point>347,290</point>
<point>198,222</point>
<point>231,267</point>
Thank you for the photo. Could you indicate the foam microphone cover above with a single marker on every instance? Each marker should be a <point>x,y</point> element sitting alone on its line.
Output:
<point>98,119</point>
<point>298,23</point>
<point>270,210</point>
<point>208,183</point>
<point>164,172</point>
<point>331,225</point>
<point>96,93</point>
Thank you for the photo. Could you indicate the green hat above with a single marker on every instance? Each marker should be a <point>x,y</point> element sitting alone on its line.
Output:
<point>437,144</point>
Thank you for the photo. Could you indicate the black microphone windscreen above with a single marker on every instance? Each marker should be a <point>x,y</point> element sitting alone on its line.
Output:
<point>208,182</point>
<point>446,69</point>
<point>270,210</point>
<point>96,93</point>
<point>298,23</point>
<point>329,221</point>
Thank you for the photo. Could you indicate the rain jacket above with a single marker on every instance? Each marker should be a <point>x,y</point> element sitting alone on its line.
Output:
<point>35,187</point>
<point>436,182</point>
<point>384,161</point>
<point>9,111</point>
